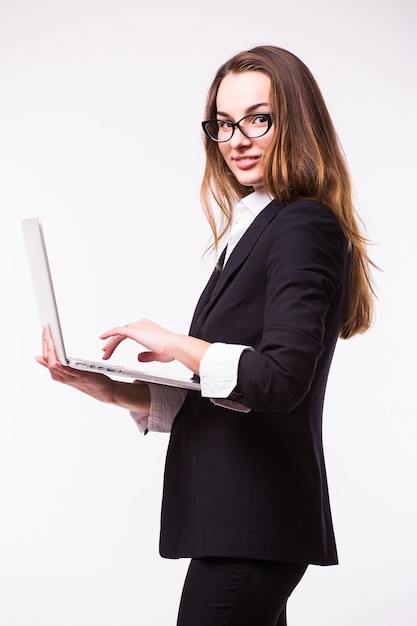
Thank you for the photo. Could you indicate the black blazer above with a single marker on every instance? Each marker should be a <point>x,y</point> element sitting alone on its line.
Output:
<point>253,485</point>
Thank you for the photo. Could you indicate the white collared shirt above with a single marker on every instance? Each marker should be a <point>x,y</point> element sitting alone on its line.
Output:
<point>243,215</point>
<point>219,366</point>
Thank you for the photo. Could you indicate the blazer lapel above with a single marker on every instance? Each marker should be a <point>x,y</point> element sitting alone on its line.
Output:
<point>205,297</point>
<point>220,279</point>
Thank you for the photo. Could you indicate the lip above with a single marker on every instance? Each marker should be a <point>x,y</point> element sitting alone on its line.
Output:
<point>246,162</point>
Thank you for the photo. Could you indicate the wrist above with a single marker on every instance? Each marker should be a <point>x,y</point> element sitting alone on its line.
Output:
<point>133,396</point>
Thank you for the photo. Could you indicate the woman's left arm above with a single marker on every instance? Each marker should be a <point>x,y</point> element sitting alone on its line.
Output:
<point>304,301</point>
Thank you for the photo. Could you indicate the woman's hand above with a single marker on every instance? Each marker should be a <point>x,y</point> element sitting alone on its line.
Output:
<point>94,384</point>
<point>162,345</point>
<point>135,397</point>
<point>145,332</point>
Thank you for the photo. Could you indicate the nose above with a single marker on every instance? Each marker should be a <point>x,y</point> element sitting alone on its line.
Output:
<point>239,139</point>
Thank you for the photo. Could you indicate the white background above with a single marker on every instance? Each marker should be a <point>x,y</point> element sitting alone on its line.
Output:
<point>100,106</point>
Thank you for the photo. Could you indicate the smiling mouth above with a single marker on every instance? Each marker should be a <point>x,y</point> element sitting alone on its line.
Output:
<point>246,162</point>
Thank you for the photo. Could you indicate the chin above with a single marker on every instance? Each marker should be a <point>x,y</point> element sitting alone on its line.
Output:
<point>251,184</point>
<point>248,181</point>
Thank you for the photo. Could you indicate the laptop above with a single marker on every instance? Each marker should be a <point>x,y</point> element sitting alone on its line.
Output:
<point>48,314</point>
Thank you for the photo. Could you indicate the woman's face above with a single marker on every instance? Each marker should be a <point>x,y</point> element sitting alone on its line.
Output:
<point>239,95</point>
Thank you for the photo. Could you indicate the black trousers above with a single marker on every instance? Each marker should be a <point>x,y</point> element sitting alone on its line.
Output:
<point>237,592</point>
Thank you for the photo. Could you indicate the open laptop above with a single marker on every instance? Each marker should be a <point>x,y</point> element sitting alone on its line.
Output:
<point>48,313</point>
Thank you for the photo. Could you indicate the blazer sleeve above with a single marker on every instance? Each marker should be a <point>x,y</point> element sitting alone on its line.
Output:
<point>306,274</point>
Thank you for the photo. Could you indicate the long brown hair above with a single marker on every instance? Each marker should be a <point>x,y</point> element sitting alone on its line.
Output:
<point>303,160</point>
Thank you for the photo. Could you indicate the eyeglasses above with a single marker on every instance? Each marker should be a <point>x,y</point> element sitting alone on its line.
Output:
<point>252,126</point>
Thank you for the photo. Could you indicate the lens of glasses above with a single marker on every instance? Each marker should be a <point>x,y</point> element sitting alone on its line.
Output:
<point>211,127</point>
<point>255,125</point>
<point>252,126</point>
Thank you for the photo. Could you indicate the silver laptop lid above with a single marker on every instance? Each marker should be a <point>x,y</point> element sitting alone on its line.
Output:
<point>41,277</point>
<point>48,314</point>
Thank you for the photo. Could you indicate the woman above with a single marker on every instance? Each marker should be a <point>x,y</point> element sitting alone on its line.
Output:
<point>245,491</point>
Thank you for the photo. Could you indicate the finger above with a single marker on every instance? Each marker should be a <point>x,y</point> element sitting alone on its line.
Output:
<point>146,357</point>
<point>111,345</point>
<point>118,330</point>
<point>41,360</point>
<point>56,370</point>
<point>48,346</point>
<point>45,334</point>
<point>51,356</point>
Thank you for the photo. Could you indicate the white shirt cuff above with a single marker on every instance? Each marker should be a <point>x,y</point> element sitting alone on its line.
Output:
<point>165,404</point>
<point>218,369</point>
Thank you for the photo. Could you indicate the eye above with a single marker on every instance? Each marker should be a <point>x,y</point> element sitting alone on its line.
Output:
<point>260,120</point>
<point>225,124</point>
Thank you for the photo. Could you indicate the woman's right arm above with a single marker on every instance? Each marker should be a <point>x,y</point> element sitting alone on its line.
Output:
<point>132,396</point>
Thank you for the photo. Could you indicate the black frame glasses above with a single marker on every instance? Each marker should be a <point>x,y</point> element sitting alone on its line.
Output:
<point>213,127</point>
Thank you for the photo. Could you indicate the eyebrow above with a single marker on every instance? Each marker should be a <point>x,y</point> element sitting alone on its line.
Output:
<point>253,107</point>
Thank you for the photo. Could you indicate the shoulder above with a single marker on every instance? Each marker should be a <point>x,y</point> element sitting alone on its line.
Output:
<point>306,229</point>
<point>306,216</point>
<point>306,210</point>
